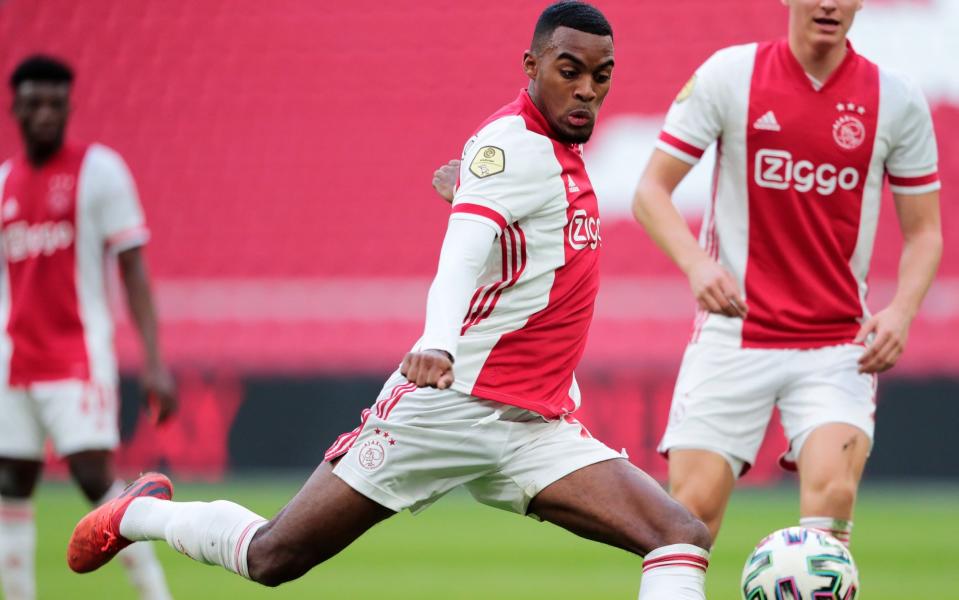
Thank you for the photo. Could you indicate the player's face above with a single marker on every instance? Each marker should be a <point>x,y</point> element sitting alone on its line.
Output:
<point>41,109</point>
<point>571,77</point>
<point>822,22</point>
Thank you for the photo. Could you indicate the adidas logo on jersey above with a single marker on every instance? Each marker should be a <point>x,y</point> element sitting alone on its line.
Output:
<point>571,185</point>
<point>767,122</point>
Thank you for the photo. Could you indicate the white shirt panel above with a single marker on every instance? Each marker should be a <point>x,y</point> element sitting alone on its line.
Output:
<point>913,151</point>
<point>528,159</point>
<point>117,211</point>
<point>698,116</point>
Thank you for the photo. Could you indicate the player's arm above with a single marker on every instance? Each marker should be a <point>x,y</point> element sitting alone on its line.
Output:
<point>919,221</point>
<point>124,231</point>
<point>157,381</point>
<point>444,179</point>
<point>714,288</point>
<point>465,250</point>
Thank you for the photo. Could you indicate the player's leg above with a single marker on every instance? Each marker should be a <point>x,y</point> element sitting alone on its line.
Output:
<point>289,546</point>
<point>722,402</point>
<point>615,503</point>
<point>379,472</point>
<point>82,421</point>
<point>556,471</point>
<point>702,481</point>
<point>322,519</point>
<point>830,467</point>
<point>18,532</point>
<point>95,473</point>
<point>21,446</point>
<point>827,414</point>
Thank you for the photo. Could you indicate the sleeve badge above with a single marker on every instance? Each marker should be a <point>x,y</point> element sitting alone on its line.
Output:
<point>687,90</point>
<point>489,161</point>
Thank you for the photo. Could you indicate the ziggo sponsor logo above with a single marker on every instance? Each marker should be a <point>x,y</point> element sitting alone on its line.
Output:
<point>583,231</point>
<point>22,241</point>
<point>776,169</point>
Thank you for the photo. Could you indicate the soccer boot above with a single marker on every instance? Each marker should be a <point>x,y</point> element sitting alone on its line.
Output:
<point>97,538</point>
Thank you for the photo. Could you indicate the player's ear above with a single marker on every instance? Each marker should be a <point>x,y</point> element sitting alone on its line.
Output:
<point>530,64</point>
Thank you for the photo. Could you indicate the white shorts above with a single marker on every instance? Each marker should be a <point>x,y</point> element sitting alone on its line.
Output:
<point>416,444</point>
<point>76,415</point>
<point>725,395</point>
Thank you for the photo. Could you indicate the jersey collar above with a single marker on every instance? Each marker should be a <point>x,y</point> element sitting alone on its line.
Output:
<point>800,75</point>
<point>535,121</point>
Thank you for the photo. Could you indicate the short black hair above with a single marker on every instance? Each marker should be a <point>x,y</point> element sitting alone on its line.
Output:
<point>40,67</point>
<point>569,13</point>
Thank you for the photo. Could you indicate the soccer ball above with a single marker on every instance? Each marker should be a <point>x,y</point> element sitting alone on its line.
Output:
<point>800,564</point>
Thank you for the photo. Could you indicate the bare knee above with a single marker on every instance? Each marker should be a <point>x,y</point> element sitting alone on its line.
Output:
<point>272,561</point>
<point>687,529</point>
<point>674,525</point>
<point>709,508</point>
<point>93,472</point>
<point>18,478</point>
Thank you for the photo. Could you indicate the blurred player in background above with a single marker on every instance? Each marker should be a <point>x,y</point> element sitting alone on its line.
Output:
<point>63,206</point>
<point>807,131</point>
<point>520,260</point>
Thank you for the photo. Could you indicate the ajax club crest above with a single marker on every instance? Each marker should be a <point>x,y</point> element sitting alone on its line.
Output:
<point>848,130</point>
<point>372,455</point>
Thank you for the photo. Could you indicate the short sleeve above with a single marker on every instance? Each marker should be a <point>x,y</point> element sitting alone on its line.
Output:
<point>117,211</point>
<point>505,174</point>
<point>912,164</point>
<point>694,121</point>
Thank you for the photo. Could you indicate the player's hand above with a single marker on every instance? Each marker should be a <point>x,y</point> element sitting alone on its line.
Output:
<point>715,289</point>
<point>428,368</point>
<point>444,179</point>
<point>889,329</point>
<point>159,393</point>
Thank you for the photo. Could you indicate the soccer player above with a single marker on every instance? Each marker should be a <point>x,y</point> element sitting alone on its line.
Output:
<point>807,131</point>
<point>63,205</point>
<point>519,260</point>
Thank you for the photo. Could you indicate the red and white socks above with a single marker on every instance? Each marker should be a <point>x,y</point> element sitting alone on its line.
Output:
<point>675,572</point>
<point>140,562</point>
<point>18,542</point>
<point>213,533</point>
<point>838,528</point>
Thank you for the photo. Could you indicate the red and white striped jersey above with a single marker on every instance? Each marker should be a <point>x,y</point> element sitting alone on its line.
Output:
<point>528,319</point>
<point>56,221</point>
<point>797,184</point>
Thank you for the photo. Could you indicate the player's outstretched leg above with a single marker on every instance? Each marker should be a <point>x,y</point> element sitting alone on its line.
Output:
<point>616,503</point>
<point>322,519</point>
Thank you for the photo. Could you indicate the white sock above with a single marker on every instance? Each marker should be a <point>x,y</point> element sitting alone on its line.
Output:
<point>18,543</point>
<point>838,528</point>
<point>675,572</point>
<point>213,533</point>
<point>140,562</point>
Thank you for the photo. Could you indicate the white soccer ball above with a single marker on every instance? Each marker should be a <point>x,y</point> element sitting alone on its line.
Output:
<point>800,564</point>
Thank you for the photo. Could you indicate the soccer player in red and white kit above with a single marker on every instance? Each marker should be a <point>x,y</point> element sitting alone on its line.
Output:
<point>63,206</point>
<point>520,261</point>
<point>807,130</point>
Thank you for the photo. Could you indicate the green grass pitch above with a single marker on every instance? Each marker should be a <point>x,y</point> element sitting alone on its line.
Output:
<point>904,541</point>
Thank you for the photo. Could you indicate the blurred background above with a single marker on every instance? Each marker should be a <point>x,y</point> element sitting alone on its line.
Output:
<point>284,150</point>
